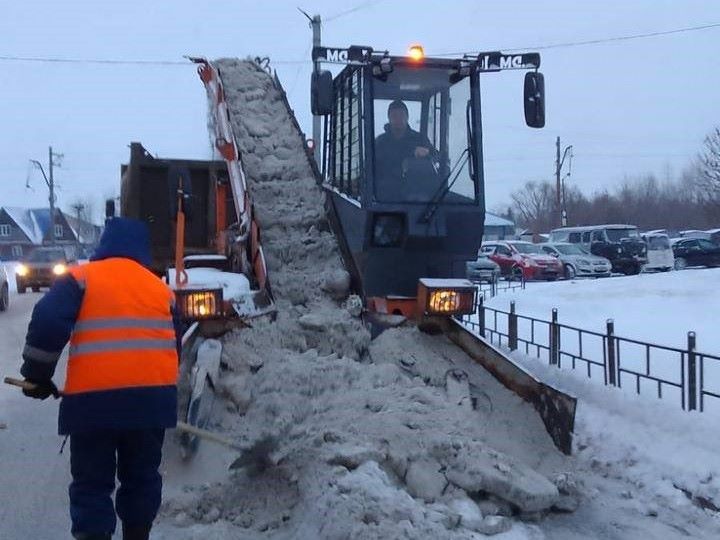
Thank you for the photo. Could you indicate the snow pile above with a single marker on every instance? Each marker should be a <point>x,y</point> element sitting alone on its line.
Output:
<point>376,440</point>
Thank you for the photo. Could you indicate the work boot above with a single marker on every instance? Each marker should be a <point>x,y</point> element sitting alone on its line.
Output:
<point>136,532</point>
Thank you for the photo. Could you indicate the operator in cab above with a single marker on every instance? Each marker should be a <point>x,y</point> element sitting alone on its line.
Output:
<point>399,144</point>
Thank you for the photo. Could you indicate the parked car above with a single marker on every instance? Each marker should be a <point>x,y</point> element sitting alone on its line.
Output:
<point>620,244</point>
<point>4,289</point>
<point>518,259</point>
<point>577,261</point>
<point>660,255</point>
<point>43,266</point>
<point>695,252</point>
<point>484,269</point>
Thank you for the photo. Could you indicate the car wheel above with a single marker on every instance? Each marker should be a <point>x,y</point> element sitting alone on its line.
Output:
<point>4,298</point>
<point>570,271</point>
<point>36,289</point>
<point>680,263</point>
<point>516,274</point>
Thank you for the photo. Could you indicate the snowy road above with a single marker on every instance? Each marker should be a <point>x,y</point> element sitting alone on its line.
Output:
<point>33,500</point>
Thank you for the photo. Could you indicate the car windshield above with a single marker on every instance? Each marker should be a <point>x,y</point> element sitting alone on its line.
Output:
<point>528,248</point>
<point>46,256</point>
<point>570,249</point>
<point>615,235</point>
<point>658,243</point>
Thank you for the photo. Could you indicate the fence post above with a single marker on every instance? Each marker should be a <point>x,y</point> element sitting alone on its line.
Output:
<point>611,367</point>
<point>554,339</point>
<point>692,372</point>
<point>481,315</point>
<point>512,328</point>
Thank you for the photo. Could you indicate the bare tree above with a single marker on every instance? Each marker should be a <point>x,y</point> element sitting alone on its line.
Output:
<point>534,204</point>
<point>709,168</point>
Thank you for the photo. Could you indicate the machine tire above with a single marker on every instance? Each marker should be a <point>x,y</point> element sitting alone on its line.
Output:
<point>36,289</point>
<point>516,274</point>
<point>680,263</point>
<point>570,272</point>
<point>4,298</point>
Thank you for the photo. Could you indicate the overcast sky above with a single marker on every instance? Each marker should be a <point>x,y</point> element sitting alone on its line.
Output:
<point>628,107</point>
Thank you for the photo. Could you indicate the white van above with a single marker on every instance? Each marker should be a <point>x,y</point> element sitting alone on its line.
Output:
<point>660,256</point>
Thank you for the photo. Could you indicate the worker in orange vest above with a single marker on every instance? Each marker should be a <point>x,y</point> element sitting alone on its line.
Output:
<point>120,390</point>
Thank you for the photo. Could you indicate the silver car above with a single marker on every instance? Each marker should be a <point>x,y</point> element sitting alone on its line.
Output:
<point>4,289</point>
<point>482,270</point>
<point>577,261</point>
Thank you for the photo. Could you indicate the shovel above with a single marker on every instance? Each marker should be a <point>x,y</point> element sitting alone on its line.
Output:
<point>257,457</point>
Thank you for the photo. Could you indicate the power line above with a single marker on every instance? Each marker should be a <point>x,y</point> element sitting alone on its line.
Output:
<point>359,7</point>
<point>112,61</point>
<point>591,41</point>
<point>139,62</point>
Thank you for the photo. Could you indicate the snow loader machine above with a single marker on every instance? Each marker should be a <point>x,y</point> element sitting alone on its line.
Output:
<point>407,231</point>
<point>404,235</point>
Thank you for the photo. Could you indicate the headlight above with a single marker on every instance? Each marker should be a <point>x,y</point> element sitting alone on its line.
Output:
<point>196,304</point>
<point>21,270</point>
<point>583,262</point>
<point>59,269</point>
<point>446,296</point>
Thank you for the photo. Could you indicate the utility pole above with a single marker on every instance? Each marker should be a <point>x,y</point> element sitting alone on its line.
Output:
<point>557,179</point>
<point>315,25</point>
<point>78,207</point>
<point>560,188</point>
<point>51,187</point>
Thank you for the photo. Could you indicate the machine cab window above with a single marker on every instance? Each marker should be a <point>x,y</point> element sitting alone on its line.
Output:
<point>420,137</point>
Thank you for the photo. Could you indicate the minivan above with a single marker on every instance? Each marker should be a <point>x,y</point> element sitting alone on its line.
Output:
<point>620,244</point>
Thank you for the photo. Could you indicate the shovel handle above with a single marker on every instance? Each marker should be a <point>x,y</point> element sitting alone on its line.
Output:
<point>208,435</point>
<point>25,385</point>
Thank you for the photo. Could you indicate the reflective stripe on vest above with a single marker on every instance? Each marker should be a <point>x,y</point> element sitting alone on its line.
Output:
<point>124,335</point>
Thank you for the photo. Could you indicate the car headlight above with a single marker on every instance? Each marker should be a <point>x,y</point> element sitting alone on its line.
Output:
<point>59,269</point>
<point>583,262</point>
<point>21,270</point>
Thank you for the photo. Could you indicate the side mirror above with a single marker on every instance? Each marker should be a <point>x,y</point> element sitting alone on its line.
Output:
<point>534,99</point>
<point>321,93</point>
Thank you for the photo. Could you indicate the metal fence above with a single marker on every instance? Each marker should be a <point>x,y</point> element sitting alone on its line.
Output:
<point>488,290</point>
<point>691,376</point>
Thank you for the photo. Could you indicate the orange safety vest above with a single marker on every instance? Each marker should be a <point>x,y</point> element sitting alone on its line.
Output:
<point>124,335</point>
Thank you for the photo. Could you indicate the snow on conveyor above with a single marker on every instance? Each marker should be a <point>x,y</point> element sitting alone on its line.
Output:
<point>379,439</point>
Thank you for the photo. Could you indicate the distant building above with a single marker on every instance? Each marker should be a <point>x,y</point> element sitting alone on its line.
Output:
<point>498,228</point>
<point>24,229</point>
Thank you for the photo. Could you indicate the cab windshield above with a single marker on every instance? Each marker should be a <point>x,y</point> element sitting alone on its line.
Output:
<point>46,256</point>
<point>421,136</point>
